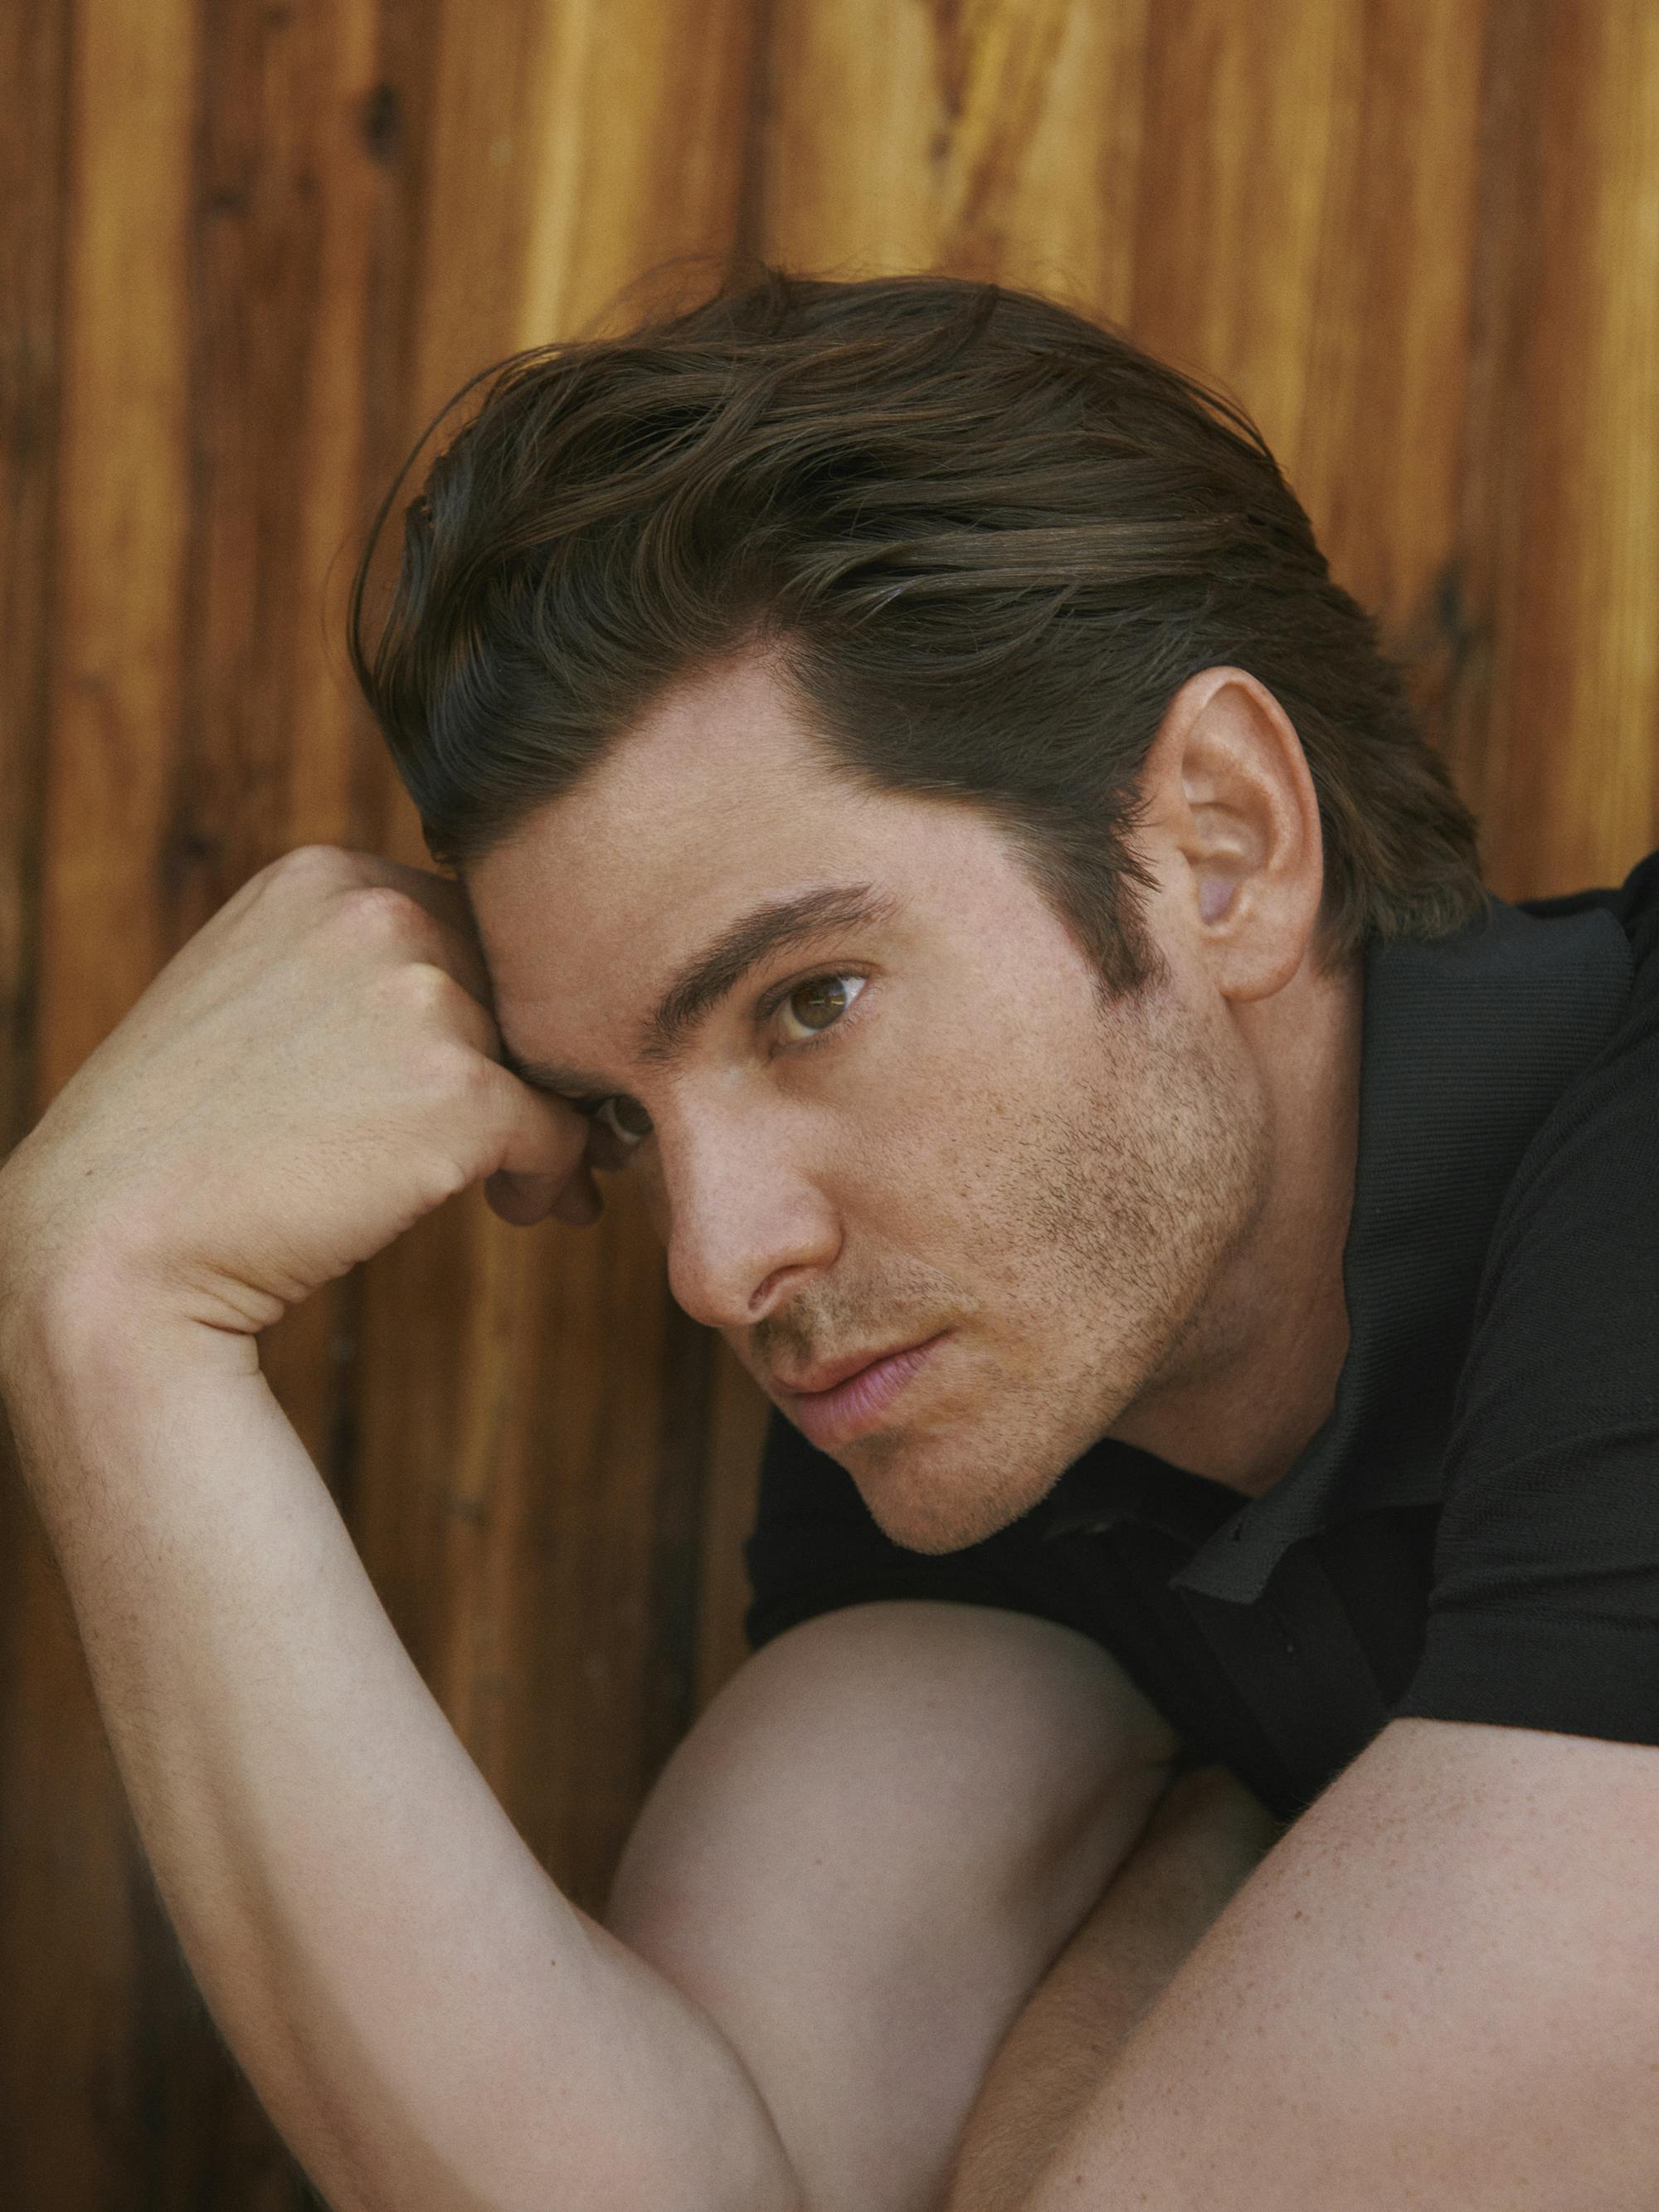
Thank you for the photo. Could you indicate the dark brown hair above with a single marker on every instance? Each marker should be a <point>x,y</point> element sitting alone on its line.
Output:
<point>986,540</point>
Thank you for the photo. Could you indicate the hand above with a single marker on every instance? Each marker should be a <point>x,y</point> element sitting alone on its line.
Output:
<point>315,1069</point>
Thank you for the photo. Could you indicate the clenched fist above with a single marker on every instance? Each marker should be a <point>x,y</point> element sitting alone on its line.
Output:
<point>316,1069</point>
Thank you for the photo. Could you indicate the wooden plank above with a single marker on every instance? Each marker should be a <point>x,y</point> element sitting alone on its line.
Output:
<point>1555,724</point>
<point>1306,215</point>
<point>639,136</point>
<point>281,179</point>
<point>988,139</point>
<point>33,65</point>
<point>71,1953</point>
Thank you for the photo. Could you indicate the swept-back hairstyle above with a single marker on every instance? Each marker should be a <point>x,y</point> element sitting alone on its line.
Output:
<point>985,541</point>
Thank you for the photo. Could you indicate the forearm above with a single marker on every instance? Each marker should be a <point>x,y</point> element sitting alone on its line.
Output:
<point>1203,1838</point>
<point>429,2022</point>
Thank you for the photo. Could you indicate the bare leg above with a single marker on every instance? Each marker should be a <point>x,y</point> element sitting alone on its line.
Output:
<point>1205,1835</point>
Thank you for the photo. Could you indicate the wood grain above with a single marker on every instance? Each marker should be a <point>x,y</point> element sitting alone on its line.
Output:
<point>72,1941</point>
<point>1555,728</point>
<point>248,250</point>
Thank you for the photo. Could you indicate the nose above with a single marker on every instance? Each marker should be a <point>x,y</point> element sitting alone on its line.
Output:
<point>744,1223</point>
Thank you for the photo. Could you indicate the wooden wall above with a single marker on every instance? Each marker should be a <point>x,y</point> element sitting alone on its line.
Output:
<point>247,248</point>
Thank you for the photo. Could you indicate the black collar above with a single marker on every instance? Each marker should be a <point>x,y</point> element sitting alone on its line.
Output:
<point>1466,1044</point>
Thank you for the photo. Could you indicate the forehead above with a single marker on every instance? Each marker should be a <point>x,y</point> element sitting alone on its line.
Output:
<point>718,799</point>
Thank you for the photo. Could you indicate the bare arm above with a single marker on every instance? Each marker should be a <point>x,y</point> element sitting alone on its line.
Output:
<point>1440,1987</point>
<point>430,2025</point>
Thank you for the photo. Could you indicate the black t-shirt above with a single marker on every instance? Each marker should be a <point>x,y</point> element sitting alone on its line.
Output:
<point>1474,1532</point>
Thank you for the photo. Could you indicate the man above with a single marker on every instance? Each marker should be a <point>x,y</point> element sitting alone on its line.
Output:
<point>920,806</point>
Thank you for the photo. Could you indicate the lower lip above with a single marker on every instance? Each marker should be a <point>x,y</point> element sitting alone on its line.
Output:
<point>855,1406</point>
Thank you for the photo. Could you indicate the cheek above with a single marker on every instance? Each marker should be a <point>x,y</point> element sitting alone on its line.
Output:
<point>932,1169</point>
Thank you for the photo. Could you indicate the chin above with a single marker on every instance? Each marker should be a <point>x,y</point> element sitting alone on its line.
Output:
<point>940,1493</point>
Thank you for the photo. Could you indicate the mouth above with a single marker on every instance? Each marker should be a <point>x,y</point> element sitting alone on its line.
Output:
<point>849,1397</point>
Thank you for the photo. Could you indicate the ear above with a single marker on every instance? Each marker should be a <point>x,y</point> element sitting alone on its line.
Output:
<point>1232,818</point>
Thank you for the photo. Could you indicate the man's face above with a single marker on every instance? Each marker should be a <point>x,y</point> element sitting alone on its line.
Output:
<point>909,1122</point>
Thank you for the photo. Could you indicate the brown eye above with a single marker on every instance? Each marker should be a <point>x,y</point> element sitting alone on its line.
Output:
<point>817,1003</point>
<point>625,1118</point>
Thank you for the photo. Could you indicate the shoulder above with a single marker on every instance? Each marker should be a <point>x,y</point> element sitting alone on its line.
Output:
<point>1589,1159</point>
<point>1546,1591</point>
<point>1633,905</point>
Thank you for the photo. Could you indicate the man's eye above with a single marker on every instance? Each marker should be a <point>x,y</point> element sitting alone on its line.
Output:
<point>624,1118</point>
<point>815,1005</point>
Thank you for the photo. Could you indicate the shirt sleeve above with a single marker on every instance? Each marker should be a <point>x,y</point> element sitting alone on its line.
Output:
<point>1544,1606</point>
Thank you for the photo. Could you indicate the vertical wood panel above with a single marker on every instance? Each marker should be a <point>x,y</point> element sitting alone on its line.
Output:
<point>1247,111</point>
<point>280,184</point>
<point>641,128</point>
<point>123,474</point>
<point>1555,724</point>
<point>1307,239</point>
<point>34,62</point>
<point>124,481</point>
<point>41,1844</point>
<point>992,140</point>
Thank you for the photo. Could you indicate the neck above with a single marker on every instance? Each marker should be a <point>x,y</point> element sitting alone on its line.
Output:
<point>1256,1369</point>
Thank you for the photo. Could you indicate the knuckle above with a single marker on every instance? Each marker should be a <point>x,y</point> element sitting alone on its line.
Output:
<point>446,1064</point>
<point>424,988</point>
<point>302,875</point>
<point>477,1081</point>
<point>426,1003</point>
<point>312,865</point>
<point>379,915</point>
<point>469,1084</point>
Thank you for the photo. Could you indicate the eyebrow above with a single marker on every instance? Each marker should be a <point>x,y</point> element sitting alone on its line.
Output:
<point>715,973</point>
